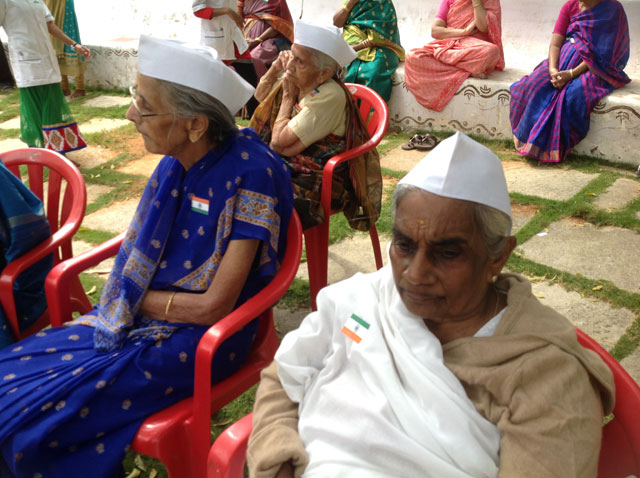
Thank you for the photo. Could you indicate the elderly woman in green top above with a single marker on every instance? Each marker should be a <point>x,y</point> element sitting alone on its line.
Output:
<point>371,28</point>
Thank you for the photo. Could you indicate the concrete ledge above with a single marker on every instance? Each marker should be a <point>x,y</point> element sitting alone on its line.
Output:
<point>113,65</point>
<point>482,107</point>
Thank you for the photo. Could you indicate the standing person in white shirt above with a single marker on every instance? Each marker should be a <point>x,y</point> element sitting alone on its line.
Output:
<point>221,29</point>
<point>45,118</point>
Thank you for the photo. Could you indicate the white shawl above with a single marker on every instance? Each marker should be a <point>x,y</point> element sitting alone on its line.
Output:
<point>386,406</point>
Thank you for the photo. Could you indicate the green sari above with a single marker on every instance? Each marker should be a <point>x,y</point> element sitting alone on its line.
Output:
<point>374,20</point>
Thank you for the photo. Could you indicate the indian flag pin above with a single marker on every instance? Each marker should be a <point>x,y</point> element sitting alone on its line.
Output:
<point>199,205</point>
<point>355,328</point>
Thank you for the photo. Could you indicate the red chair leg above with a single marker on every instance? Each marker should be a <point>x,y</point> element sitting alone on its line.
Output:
<point>316,241</point>
<point>375,243</point>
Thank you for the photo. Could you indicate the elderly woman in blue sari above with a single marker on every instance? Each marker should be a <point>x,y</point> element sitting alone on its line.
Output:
<point>207,235</point>
<point>371,28</point>
<point>23,225</point>
<point>550,108</point>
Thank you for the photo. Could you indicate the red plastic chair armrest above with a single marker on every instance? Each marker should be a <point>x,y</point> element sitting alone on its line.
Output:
<point>58,282</point>
<point>333,163</point>
<point>229,325</point>
<point>13,270</point>
<point>228,453</point>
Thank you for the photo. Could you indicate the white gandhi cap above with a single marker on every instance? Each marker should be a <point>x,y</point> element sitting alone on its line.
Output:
<point>461,168</point>
<point>327,39</point>
<point>195,66</point>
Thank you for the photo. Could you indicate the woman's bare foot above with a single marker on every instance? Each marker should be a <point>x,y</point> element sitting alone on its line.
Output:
<point>66,92</point>
<point>78,94</point>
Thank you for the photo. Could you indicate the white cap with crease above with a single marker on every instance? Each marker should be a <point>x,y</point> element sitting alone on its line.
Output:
<point>327,39</point>
<point>461,168</point>
<point>195,66</point>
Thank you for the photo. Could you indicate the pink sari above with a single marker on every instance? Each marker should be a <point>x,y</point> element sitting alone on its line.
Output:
<point>434,72</point>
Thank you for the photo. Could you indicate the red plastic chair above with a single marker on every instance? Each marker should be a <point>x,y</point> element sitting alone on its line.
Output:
<point>375,110</point>
<point>619,453</point>
<point>180,436</point>
<point>64,218</point>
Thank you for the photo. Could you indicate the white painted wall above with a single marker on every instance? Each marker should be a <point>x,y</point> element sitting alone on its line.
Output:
<point>527,24</point>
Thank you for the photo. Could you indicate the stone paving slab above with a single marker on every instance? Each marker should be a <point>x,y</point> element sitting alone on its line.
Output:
<point>631,364</point>
<point>143,166</point>
<point>574,246</point>
<point>94,191</point>
<point>400,160</point>
<point>544,181</point>
<point>101,124</point>
<point>11,144</point>
<point>348,257</point>
<point>102,270</point>
<point>107,101</point>
<point>621,192</point>
<point>596,318</point>
<point>13,123</point>
<point>91,156</point>
<point>115,218</point>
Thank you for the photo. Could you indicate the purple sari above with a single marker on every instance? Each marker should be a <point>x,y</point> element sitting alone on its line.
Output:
<point>548,122</point>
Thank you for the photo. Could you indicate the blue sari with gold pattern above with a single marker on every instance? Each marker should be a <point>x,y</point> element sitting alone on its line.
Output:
<point>73,397</point>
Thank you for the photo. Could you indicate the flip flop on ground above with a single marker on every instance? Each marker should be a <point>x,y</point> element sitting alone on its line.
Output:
<point>421,142</point>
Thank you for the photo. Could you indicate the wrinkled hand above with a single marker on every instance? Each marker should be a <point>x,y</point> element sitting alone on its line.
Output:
<point>252,44</point>
<point>289,89</point>
<point>469,29</point>
<point>282,61</point>
<point>560,79</point>
<point>236,17</point>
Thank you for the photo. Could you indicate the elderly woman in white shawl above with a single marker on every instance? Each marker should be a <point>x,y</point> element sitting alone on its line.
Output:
<point>438,364</point>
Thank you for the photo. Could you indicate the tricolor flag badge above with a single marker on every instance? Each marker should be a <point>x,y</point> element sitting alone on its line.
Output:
<point>314,93</point>
<point>355,328</point>
<point>200,205</point>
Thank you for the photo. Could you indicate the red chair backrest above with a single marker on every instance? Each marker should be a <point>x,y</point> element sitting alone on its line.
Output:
<point>373,110</point>
<point>620,451</point>
<point>49,175</point>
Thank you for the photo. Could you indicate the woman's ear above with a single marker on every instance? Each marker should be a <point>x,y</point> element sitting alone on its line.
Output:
<point>197,127</point>
<point>325,74</point>
<point>498,263</point>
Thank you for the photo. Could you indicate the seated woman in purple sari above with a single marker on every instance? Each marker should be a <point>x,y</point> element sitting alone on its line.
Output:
<point>589,49</point>
<point>207,235</point>
<point>268,29</point>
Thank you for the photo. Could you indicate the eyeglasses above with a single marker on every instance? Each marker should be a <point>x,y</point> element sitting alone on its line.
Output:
<point>134,101</point>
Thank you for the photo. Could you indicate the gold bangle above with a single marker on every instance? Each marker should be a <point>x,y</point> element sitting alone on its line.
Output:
<point>571,73</point>
<point>259,40</point>
<point>169,302</point>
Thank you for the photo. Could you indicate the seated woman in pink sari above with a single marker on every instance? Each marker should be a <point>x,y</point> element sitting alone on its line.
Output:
<point>467,43</point>
<point>268,29</point>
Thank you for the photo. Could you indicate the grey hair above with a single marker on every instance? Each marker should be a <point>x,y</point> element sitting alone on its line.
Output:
<point>189,102</point>
<point>323,61</point>
<point>494,225</point>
